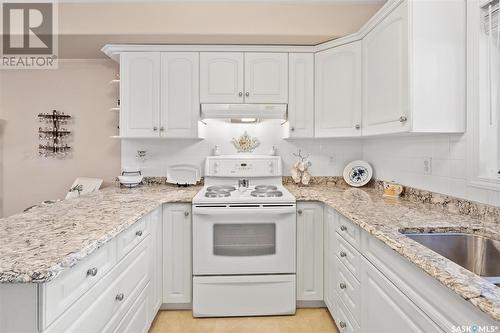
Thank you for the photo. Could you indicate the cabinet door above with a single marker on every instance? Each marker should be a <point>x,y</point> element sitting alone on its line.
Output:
<point>328,260</point>
<point>140,94</point>
<point>180,100</point>
<point>177,279</point>
<point>338,91</point>
<point>386,309</point>
<point>309,251</point>
<point>221,77</point>
<point>266,77</point>
<point>385,80</point>
<point>155,294</point>
<point>301,95</point>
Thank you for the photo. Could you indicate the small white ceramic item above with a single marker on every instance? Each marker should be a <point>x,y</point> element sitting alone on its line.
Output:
<point>358,173</point>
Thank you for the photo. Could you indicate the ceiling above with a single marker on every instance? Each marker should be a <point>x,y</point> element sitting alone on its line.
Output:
<point>84,27</point>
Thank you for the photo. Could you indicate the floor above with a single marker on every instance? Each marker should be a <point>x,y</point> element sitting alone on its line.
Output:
<point>306,320</point>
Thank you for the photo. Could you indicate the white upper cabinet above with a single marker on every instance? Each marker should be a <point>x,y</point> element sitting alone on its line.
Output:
<point>301,95</point>
<point>159,94</point>
<point>180,102</point>
<point>227,77</point>
<point>414,70</point>
<point>139,94</point>
<point>338,91</point>
<point>266,77</point>
<point>221,77</point>
<point>385,64</point>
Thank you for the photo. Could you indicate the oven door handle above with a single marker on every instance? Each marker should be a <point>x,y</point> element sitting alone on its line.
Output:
<point>242,210</point>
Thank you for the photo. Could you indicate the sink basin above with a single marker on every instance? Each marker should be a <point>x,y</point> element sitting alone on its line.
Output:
<point>478,254</point>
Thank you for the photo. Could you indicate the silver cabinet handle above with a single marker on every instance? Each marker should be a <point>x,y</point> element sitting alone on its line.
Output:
<point>247,94</point>
<point>343,254</point>
<point>240,93</point>
<point>186,213</point>
<point>162,128</point>
<point>343,324</point>
<point>343,285</point>
<point>92,271</point>
<point>402,119</point>
<point>358,126</point>
<point>139,233</point>
<point>343,228</point>
<point>292,128</point>
<point>299,211</point>
<point>155,128</point>
<point>120,297</point>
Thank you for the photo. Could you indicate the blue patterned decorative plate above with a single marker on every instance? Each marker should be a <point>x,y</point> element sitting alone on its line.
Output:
<point>358,173</point>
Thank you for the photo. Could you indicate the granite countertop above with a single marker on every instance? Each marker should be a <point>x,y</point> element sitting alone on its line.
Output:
<point>384,218</point>
<point>38,245</point>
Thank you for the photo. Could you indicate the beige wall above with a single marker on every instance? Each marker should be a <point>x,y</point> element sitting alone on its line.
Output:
<point>86,27</point>
<point>79,88</point>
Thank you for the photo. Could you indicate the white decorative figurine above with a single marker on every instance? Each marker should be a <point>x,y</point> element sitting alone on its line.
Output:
<point>299,171</point>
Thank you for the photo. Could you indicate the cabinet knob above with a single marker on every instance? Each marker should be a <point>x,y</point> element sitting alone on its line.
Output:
<point>299,212</point>
<point>343,285</point>
<point>247,94</point>
<point>402,119</point>
<point>92,271</point>
<point>139,233</point>
<point>343,254</point>
<point>162,128</point>
<point>342,324</point>
<point>292,128</point>
<point>155,128</point>
<point>357,126</point>
<point>120,297</point>
<point>343,228</point>
<point>240,93</point>
<point>186,213</point>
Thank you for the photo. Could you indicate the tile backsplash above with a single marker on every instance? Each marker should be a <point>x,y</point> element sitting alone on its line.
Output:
<point>402,159</point>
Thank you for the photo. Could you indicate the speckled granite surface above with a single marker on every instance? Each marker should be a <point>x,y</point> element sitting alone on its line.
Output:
<point>38,245</point>
<point>385,218</point>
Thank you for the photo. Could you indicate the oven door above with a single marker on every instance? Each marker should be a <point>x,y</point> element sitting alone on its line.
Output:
<point>244,239</point>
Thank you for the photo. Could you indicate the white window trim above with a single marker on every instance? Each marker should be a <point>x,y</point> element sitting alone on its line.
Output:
<point>473,30</point>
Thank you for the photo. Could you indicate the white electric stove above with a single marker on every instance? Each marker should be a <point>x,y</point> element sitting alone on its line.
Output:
<point>244,239</point>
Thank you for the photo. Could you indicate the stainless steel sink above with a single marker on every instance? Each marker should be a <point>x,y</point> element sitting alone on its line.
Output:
<point>478,254</point>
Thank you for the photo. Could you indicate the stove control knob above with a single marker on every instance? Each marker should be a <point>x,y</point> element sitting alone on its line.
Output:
<point>271,167</point>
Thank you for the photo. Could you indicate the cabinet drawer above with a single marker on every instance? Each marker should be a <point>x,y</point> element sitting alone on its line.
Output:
<point>103,306</point>
<point>344,320</point>
<point>349,231</point>
<point>58,295</point>
<point>348,256</point>
<point>129,238</point>
<point>137,319</point>
<point>348,290</point>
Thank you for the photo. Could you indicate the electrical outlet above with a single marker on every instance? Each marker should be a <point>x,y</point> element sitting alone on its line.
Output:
<point>427,163</point>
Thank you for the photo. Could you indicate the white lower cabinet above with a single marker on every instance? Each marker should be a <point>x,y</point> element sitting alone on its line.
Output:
<point>137,319</point>
<point>177,258</point>
<point>386,309</point>
<point>155,288</point>
<point>309,251</point>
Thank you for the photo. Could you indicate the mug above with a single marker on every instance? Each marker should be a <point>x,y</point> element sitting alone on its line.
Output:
<point>392,189</point>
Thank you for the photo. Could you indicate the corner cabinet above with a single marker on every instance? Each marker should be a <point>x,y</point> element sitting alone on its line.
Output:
<point>309,251</point>
<point>338,91</point>
<point>233,77</point>
<point>177,259</point>
<point>300,96</point>
<point>159,94</point>
<point>410,84</point>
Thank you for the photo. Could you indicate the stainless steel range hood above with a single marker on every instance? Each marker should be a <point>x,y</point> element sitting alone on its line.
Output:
<point>243,111</point>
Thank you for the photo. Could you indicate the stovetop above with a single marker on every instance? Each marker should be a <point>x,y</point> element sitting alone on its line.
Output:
<point>252,194</point>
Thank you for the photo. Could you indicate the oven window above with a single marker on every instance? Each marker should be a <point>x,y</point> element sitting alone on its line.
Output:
<point>238,240</point>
